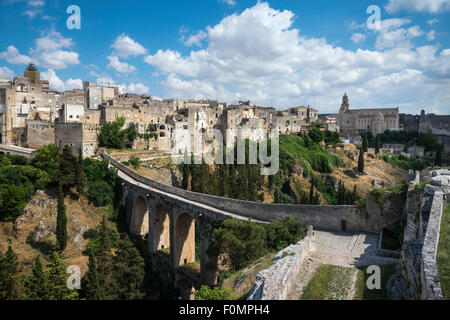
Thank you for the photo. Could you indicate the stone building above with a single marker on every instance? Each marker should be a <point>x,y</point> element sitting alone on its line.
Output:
<point>353,122</point>
<point>438,125</point>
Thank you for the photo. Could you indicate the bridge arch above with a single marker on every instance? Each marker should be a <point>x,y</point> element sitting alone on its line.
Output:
<point>139,217</point>
<point>186,289</point>
<point>161,228</point>
<point>184,239</point>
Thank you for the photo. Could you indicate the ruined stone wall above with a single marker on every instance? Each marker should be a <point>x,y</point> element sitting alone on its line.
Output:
<point>417,275</point>
<point>275,282</point>
<point>40,133</point>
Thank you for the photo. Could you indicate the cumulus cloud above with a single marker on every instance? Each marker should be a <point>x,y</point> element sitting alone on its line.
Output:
<point>272,64</point>
<point>195,38</point>
<point>137,88</point>
<point>59,85</point>
<point>12,56</point>
<point>119,66</point>
<point>6,73</point>
<point>430,6</point>
<point>358,37</point>
<point>48,52</point>
<point>124,47</point>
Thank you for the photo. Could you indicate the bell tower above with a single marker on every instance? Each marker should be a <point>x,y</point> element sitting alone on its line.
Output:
<point>32,74</point>
<point>345,104</point>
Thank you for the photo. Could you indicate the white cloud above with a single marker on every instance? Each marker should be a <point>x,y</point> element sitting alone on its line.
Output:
<point>391,35</point>
<point>433,21</point>
<point>59,85</point>
<point>196,38</point>
<point>124,47</point>
<point>6,73</point>
<point>119,66</point>
<point>138,88</point>
<point>272,64</point>
<point>34,8</point>
<point>47,52</point>
<point>230,2</point>
<point>358,37</point>
<point>430,6</point>
<point>12,56</point>
<point>431,35</point>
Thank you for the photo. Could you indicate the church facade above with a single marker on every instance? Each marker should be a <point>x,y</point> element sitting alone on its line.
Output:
<point>353,122</point>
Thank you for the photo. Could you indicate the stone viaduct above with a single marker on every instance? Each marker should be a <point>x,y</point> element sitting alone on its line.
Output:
<point>166,218</point>
<point>18,151</point>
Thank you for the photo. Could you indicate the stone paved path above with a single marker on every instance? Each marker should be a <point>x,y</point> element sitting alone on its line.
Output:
<point>341,249</point>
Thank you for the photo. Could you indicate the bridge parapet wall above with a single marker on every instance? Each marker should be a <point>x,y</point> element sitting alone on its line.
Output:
<point>350,218</point>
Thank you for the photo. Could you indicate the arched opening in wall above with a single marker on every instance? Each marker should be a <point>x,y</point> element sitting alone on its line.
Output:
<point>161,230</point>
<point>185,242</point>
<point>139,218</point>
<point>185,290</point>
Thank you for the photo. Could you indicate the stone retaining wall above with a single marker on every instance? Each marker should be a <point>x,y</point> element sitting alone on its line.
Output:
<point>417,275</point>
<point>275,282</point>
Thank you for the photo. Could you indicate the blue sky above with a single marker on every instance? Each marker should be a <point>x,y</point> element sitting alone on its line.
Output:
<point>275,53</point>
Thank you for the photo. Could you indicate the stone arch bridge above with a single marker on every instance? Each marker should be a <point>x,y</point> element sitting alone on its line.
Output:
<point>166,218</point>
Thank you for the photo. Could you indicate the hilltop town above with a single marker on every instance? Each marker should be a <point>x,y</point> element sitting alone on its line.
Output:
<point>32,115</point>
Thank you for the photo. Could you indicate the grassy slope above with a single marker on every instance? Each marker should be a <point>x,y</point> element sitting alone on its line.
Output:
<point>329,283</point>
<point>443,253</point>
<point>242,291</point>
<point>363,293</point>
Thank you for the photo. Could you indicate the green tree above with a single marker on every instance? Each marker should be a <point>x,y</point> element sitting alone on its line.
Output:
<point>58,278</point>
<point>132,133</point>
<point>361,162</point>
<point>217,293</point>
<point>283,232</point>
<point>365,143</point>
<point>91,286</point>
<point>316,135</point>
<point>129,271</point>
<point>104,259</point>
<point>67,168</point>
<point>61,222</point>
<point>79,173</point>
<point>47,159</point>
<point>38,285</point>
<point>377,145</point>
<point>10,278</point>
<point>241,242</point>
<point>438,158</point>
<point>111,134</point>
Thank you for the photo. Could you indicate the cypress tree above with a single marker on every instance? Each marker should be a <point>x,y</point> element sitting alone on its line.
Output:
<point>438,159</point>
<point>10,278</point>
<point>104,262</point>
<point>38,285</point>
<point>361,162</point>
<point>365,143</point>
<point>79,173</point>
<point>91,284</point>
<point>377,145</point>
<point>129,271</point>
<point>354,194</point>
<point>341,193</point>
<point>58,278</point>
<point>61,222</point>
<point>67,168</point>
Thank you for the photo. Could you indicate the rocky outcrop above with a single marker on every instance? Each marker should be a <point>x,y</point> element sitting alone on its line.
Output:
<point>274,283</point>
